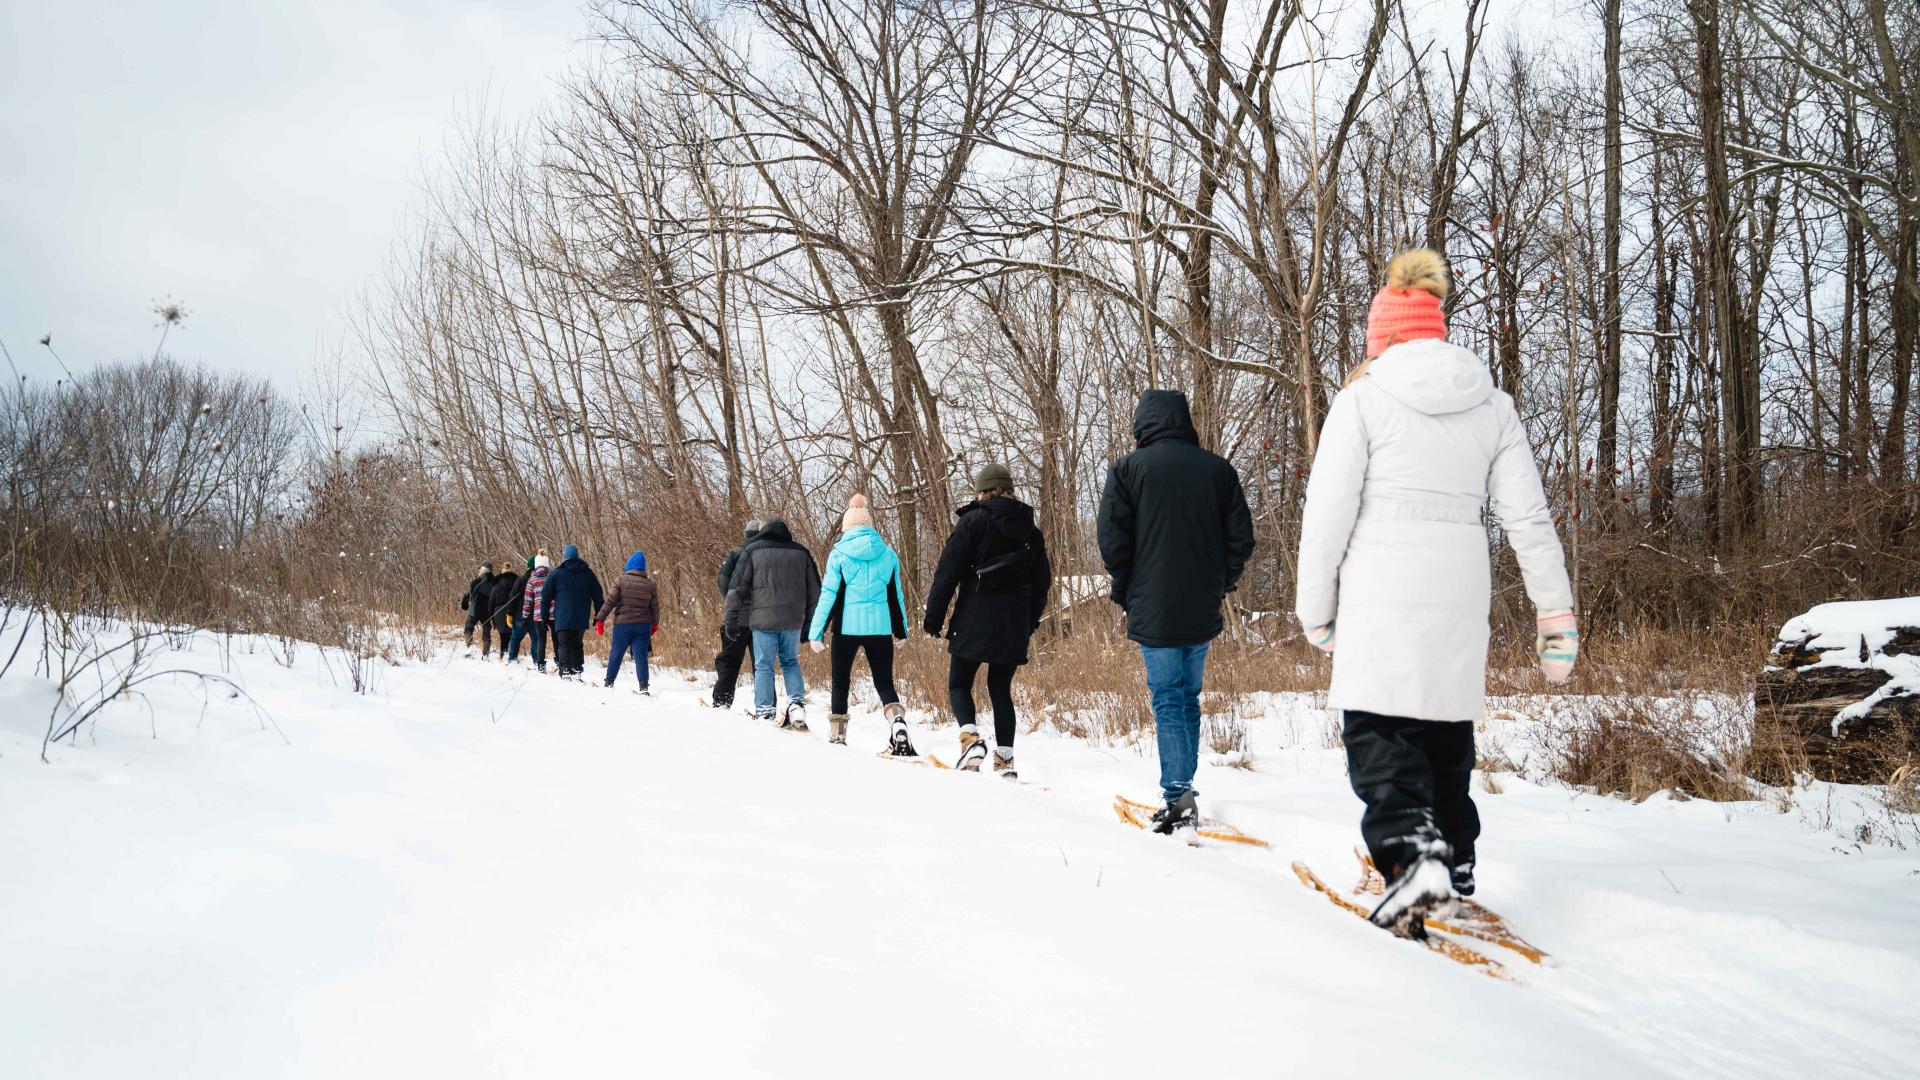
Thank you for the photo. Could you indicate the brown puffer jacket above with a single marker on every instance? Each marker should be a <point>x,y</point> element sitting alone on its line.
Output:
<point>634,598</point>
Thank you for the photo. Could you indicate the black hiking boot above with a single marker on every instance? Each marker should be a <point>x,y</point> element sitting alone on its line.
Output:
<point>1181,813</point>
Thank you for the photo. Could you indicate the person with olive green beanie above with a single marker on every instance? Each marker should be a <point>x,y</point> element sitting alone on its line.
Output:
<point>994,574</point>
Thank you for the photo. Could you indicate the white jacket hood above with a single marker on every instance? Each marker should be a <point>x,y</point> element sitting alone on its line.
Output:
<point>1432,376</point>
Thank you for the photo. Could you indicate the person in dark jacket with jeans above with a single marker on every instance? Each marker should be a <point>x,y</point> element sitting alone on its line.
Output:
<point>634,606</point>
<point>995,575</point>
<point>1175,535</point>
<point>733,648</point>
<point>474,600</point>
<point>774,591</point>
<point>571,595</point>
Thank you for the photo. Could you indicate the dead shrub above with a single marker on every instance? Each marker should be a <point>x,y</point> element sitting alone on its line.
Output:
<point>1637,745</point>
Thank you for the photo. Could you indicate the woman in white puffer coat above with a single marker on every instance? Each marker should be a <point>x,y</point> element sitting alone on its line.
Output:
<point>1394,581</point>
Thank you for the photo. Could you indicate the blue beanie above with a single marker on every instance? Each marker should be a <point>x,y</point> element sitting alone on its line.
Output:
<point>638,562</point>
<point>569,552</point>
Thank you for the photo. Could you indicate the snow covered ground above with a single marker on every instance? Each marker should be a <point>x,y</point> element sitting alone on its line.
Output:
<point>477,871</point>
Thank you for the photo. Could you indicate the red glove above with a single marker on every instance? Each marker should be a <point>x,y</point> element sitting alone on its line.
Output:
<point>600,627</point>
<point>655,632</point>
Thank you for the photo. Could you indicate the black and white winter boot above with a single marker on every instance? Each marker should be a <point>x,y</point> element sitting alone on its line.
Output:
<point>1424,887</point>
<point>837,729</point>
<point>973,750</point>
<point>1181,813</point>
<point>795,716</point>
<point>1463,878</point>
<point>1003,763</point>
<point>899,742</point>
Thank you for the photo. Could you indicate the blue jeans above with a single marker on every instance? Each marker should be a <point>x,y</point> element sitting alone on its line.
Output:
<point>1173,678</point>
<point>635,638</point>
<point>785,646</point>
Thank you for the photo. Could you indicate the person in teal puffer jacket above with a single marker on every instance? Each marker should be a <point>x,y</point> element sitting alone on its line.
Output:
<point>860,598</point>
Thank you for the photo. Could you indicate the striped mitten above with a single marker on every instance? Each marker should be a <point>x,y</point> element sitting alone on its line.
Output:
<point>1557,641</point>
<point>1320,637</point>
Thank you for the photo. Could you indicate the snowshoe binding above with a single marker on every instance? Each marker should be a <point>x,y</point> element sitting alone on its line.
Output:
<point>1003,765</point>
<point>973,752</point>
<point>794,717</point>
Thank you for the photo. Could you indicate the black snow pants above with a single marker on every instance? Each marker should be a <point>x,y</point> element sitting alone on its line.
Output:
<point>726,665</point>
<point>1416,777</point>
<point>569,651</point>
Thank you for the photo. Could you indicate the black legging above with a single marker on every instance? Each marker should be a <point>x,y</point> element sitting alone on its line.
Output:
<point>999,690</point>
<point>879,649</point>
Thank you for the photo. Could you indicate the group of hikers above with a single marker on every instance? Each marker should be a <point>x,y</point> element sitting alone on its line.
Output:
<point>1393,582</point>
<point>560,602</point>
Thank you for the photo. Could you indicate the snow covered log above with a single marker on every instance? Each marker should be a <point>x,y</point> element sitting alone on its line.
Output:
<point>1841,695</point>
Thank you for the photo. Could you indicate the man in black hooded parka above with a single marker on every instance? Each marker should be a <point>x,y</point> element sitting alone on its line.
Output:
<point>1175,535</point>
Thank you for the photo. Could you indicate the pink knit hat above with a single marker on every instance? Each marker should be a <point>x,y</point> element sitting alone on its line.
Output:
<point>857,514</point>
<point>1408,308</point>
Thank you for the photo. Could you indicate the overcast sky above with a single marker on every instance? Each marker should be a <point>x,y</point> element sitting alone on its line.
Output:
<point>253,160</point>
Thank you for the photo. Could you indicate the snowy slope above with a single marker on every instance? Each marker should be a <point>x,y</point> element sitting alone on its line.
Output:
<point>482,872</point>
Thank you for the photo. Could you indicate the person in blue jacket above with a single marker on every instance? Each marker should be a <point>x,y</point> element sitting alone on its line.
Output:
<point>571,595</point>
<point>860,598</point>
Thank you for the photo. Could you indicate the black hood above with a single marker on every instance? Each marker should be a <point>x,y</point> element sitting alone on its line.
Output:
<point>1011,518</point>
<point>776,531</point>
<point>1163,414</point>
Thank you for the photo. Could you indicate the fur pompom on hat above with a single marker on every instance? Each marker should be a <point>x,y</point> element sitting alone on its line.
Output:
<point>1408,308</point>
<point>857,515</point>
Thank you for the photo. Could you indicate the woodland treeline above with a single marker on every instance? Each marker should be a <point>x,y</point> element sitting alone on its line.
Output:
<point>760,254</point>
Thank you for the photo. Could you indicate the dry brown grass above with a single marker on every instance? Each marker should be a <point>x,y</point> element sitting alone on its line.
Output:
<point>1637,745</point>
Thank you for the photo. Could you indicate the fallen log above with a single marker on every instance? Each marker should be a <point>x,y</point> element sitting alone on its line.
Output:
<point>1840,698</point>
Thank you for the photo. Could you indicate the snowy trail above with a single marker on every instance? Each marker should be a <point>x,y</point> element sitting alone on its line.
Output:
<point>598,884</point>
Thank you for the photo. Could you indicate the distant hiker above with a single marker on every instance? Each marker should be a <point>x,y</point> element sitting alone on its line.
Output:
<point>995,574</point>
<point>733,647</point>
<point>861,600</point>
<point>516,607</point>
<point>633,604</point>
<point>572,594</point>
<point>536,614</point>
<point>500,610</point>
<point>1393,558</point>
<point>1175,535</point>
<point>773,592</point>
<point>474,600</point>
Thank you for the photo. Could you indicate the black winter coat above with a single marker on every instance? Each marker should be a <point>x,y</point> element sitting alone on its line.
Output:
<point>990,625</point>
<point>475,598</point>
<point>500,596</point>
<point>1174,528</point>
<point>776,584</point>
<point>572,594</point>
